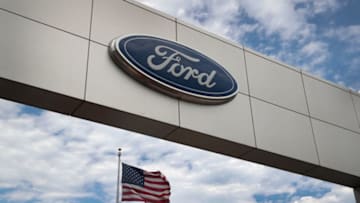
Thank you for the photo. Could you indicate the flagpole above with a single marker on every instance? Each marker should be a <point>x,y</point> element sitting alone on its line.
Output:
<point>118,176</point>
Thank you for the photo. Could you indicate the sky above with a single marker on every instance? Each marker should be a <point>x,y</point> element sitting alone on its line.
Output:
<point>50,157</point>
<point>319,36</point>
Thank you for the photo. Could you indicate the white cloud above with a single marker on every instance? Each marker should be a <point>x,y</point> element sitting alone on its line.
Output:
<point>312,8</point>
<point>338,194</point>
<point>214,15</point>
<point>313,48</point>
<point>44,165</point>
<point>314,54</point>
<point>322,6</point>
<point>8,109</point>
<point>347,34</point>
<point>308,58</point>
<point>278,17</point>
<point>274,17</point>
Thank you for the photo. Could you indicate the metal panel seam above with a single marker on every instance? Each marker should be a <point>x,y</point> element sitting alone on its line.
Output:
<point>77,108</point>
<point>42,23</point>
<point>88,51</point>
<point>311,124</point>
<point>151,10</point>
<point>170,133</point>
<point>333,124</point>
<point>356,113</point>
<point>211,35</point>
<point>176,29</point>
<point>251,110</point>
<point>99,43</point>
<point>282,107</point>
<point>326,81</point>
<point>246,73</point>
<point>272,60</point>
<point>179,117</point>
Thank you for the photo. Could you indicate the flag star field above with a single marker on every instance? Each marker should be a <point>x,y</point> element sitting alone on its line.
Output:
<point>132,175</point>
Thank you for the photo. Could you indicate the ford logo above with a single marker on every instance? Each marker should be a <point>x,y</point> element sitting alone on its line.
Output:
<point>174,69</point>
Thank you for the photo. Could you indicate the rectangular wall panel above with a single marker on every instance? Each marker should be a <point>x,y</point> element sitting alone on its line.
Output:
<point>275,83</point>
<point>36,55</point>
<point>230,57</point>
<point>113,18</point>
<point>230,121</point>
<point>356,100</point>
<point>330,103</point>
<point>225,128</point>
<point>338,148</point>
<point>72,16</point>
<point>283,132</point>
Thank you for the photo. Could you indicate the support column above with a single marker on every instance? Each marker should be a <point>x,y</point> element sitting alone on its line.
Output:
<point>357,194</point>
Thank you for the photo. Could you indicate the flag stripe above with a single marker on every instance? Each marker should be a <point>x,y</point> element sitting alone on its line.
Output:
<point>155,180</point>
<point>152,192</point>
<point>150,188</point>
<point>128,193</point>
<point>147,189</point>
<point>144,197</point>
<point>154,173</point>
<point>134,198</point>
<point>155,186</point>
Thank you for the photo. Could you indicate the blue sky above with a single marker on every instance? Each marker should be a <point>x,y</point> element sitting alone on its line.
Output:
<point>49,157</point>
<point>321,37</point>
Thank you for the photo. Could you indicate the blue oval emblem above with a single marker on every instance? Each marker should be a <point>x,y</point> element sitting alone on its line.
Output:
<point>174,69</point>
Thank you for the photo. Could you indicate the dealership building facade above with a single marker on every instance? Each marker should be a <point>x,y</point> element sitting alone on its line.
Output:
<point>55,55</point>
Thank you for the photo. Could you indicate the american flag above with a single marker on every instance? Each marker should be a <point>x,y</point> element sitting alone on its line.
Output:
<point>144,186</point>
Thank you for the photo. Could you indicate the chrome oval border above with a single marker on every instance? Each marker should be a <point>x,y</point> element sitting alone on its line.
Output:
<point>146,79</point>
